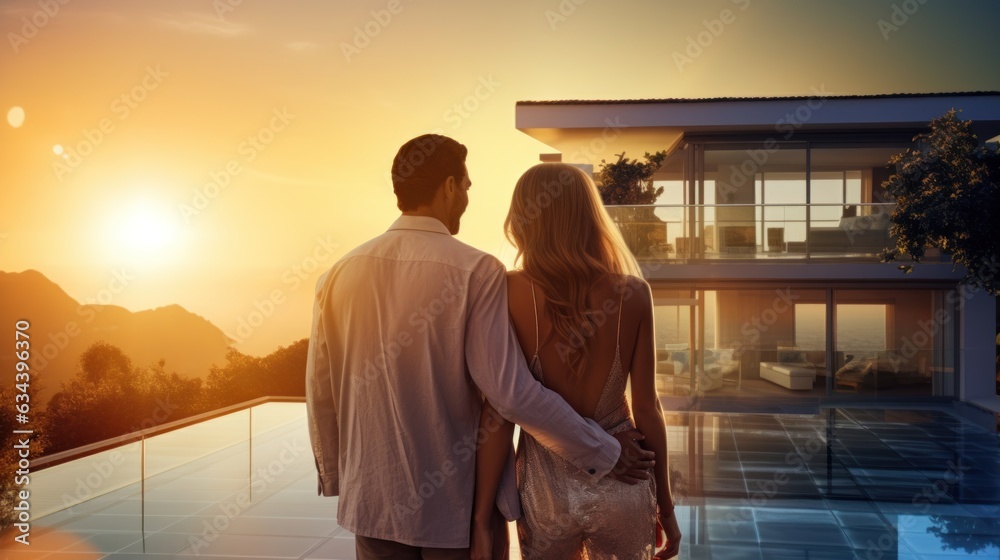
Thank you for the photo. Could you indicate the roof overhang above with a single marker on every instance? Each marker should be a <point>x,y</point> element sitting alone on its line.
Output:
<point>597,129</point>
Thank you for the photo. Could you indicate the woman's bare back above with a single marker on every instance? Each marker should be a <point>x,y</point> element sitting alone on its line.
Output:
<point>583,392</point>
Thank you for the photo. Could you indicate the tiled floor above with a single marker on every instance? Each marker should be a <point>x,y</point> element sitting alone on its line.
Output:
<point>846,483</point>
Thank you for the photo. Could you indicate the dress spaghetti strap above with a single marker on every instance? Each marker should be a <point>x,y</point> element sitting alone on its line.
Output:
<point>618,337</point>
<point>534,305</point>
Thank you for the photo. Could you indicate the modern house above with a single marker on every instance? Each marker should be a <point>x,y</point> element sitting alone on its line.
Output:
<point>762,250</point>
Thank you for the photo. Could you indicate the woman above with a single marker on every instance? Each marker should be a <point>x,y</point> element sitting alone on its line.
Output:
<point>584,315</point>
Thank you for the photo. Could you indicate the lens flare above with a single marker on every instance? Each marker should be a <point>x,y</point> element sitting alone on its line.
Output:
<point>15,117</point>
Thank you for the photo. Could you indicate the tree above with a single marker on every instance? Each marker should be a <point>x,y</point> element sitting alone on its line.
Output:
<point>109,397</point>
<point>245,377</point>
<point>105,361</point>
<point>970,534</point>
<point>629,182</point>
<point>170,395</point>
<point>9,455</point>
<point>235,382</point>
<point>947,194</point>
<point>286,370</point>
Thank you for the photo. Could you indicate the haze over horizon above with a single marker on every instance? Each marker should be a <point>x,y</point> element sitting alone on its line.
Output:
<point>220,155</point>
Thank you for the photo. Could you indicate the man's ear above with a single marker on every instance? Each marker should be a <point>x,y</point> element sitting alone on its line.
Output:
<point>450,184</point>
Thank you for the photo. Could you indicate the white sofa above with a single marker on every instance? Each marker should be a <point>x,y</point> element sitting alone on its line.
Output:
<point>796,378</point>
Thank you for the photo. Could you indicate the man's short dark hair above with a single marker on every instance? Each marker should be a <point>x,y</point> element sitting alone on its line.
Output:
<point>421,165</point>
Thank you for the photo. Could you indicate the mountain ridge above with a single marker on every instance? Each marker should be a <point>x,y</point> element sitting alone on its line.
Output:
<point>63,328</point>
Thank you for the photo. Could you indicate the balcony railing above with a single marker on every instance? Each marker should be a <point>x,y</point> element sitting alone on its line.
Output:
<point>245,431</point>
<point>755,231</point>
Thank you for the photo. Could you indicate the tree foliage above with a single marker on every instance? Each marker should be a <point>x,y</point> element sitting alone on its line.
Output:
<point>947,193</point>
<point>245,377</point>
<point>105,361</point>
<point>110,396</point>
<point>627,183</point>
<point>9,457</point>
<point>969,534</point>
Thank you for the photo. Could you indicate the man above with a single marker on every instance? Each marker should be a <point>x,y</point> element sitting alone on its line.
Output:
<point>408,328</point>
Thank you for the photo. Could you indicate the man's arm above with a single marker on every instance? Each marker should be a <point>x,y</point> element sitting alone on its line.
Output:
<point>321,409</point>
<point>499,369</point>
<point>491,459</point>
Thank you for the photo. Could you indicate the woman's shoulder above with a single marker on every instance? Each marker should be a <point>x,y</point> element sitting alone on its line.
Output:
<point>627,282</point>
<point>634,282</point>
<point>516,278</point>
<point>635,291</point>
<point>518,284</point>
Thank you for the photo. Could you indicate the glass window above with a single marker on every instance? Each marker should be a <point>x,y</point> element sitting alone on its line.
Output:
<point>774,342</point>
<point>810,325</point>
<point>893,343</point>
<point>757,199</point>
<point>862,327</point>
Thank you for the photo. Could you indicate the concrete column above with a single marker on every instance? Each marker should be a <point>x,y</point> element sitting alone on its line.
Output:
<point>977,347</point>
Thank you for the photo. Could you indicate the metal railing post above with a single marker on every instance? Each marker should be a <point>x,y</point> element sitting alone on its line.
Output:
<point>142,490</point>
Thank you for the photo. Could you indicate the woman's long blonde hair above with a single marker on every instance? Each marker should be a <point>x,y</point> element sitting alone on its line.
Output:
<point>566,241</point>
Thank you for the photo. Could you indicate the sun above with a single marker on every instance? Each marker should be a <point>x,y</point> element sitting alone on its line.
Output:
<point>143,230</point>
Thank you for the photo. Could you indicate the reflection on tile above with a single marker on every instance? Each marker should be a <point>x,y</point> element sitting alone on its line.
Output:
<point>732,531</point>
<point>813,552</point>
<point>333,549</point>
<point>844,483</point>
<point>721,551</point>
<point>236,546</point>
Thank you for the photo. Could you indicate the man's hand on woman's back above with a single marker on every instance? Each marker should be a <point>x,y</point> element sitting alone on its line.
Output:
<point>634,463</point>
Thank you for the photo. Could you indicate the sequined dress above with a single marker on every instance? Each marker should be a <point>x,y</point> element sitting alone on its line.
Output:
<point>568,516</point>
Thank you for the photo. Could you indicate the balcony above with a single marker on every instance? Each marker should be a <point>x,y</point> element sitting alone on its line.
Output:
<point>775,232</point>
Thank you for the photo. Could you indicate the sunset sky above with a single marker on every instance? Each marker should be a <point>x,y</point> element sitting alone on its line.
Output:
<point>121,117</point>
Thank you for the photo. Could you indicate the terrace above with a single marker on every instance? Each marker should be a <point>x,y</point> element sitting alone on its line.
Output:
<point>827,483</point>
<point>771,232</point>
<point>738,201</point>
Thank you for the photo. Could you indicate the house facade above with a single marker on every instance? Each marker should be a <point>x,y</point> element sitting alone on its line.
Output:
<point>762,251</point>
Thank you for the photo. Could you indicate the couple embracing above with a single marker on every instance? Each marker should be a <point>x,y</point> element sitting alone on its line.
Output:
<point>425,352</point>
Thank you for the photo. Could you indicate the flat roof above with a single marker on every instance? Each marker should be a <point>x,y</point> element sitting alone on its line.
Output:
<point>637,125</point>
<point>815,111</point>
<point>757,98</point>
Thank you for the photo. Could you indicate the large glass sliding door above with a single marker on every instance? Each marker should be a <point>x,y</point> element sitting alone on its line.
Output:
<point>753,198</point>
<point>894,343</point>
<point>851,211</point>
<point>769,199</point>
<point>794,342</point>
<point>676,313</point>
